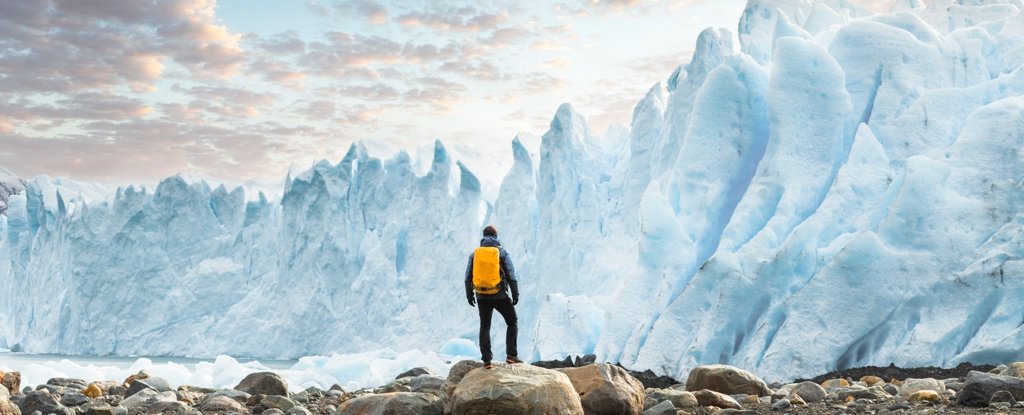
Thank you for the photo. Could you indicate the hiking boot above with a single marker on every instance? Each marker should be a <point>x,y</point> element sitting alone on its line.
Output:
<point>487,364</point>
<point>512,360</point>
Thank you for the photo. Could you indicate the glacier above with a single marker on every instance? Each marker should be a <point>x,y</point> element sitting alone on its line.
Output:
<point>828,188</point>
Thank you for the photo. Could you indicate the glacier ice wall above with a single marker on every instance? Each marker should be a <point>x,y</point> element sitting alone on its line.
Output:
<point>843,189</point>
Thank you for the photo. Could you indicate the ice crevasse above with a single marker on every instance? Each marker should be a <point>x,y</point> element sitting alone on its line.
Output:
<point>840,188</point>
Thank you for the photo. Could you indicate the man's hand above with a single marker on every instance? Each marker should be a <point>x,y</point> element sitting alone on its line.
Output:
<point>515,300</point>
<point>472,301</point>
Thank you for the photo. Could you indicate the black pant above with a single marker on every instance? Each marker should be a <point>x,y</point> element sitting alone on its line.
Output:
<point>508,312</point>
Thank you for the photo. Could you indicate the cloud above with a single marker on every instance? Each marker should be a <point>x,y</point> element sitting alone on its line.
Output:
<point>438,93</point>
<point>69,45</point>
<point>542,83</point>
<point>481,70</point>
<point>278,72</point>
<point>227,102</point>
<point>460,19</point>
<point>584,8</point>
<point>286,43</point>
<point>374,12</point>
<point>6,127</point>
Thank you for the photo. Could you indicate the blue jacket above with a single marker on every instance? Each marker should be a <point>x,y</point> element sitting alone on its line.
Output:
<point>508,274</point>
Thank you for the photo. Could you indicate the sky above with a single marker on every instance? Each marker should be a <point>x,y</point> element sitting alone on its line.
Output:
<point>238,91</point>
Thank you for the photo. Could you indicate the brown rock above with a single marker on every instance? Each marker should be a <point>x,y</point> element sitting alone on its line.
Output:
<point>606,389</point>
<point>871,380</point>
<point>707,397</point>
<point>222,404</point>
<point>678,398</point>
<point>392,403</point>
<point>726,379</point>
<point>516,389</point>
<point>1015,369</point>
<point>92,391</point>
<point>924,395</point>
<point>795,399</point>
<point>8,408</point>
<point>835,383</point>
<point>455,375</point>
<point>12,381</point>
<point>266,383</point>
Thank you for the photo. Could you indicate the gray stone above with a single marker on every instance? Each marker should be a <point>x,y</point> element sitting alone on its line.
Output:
<point>860,392</point>
<point>74,399</point>
<point>298,410</point>
<point>417,371</point>
<point>279,402</point>
<point>427,384</point>
<point>102,408</point>
<point>42,401</point>
<point>900,406</point>
<point>891,389</point>
<point>1002,396</point>
<point>734,411</point>
<point>955,385</point>
<point>663,408</point>
<point>1000,405</point>
<point>144,398</point>
<point>394,403</point>
<point>238,396</point>
<point>167,407</point>
<point>272,411</point>
<point>781,405</point>
<point>267,383</point>
<point>69,383</point>
<point>154,383</point>
<point>726,379</point>
<point>222,404</point>
<point>649,402</point>
<point>980,387</point>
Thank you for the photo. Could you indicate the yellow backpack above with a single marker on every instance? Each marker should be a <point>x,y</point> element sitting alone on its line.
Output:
<point>486,270</point>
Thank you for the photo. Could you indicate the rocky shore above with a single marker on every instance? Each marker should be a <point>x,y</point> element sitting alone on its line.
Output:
<point>570,387</point>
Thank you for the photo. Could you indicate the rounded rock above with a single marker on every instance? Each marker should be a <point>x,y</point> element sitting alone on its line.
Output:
<point>606,389</point>
<point>267,383</point>
<point>726,379</point>
<point>518,389</point>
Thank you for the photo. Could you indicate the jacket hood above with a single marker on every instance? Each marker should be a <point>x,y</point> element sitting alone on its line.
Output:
<point>490,241</point>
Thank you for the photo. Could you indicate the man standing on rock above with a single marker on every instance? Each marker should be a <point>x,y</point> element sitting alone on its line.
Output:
<point>489,276</point>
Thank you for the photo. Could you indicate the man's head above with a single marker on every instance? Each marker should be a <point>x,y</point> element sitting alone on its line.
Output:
<point>490,231</point>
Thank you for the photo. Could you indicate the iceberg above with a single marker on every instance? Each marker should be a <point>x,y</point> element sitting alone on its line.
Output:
<point>842,189</point>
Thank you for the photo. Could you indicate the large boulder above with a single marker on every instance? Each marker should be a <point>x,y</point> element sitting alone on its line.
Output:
<point>154,383</point>
<point>679,398</point>
<point>427,384</point>
<point>910,386</point>
<point>146,397</point>
<point>516,389</point>
<point>1015,369</point>
<point>810,392</point>
<point>12,381</point>
<point>263,383</point>
<point>394,403</point>
<point>726,379</point>
<point>8,408</point>
<point>416,371</point>
<point>455,375</point>
<point>42,401</point>
<point>606,389</point>
<point>980,386</point>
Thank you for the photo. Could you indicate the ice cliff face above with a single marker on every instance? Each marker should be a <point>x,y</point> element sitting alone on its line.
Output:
<point>842,190</point>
